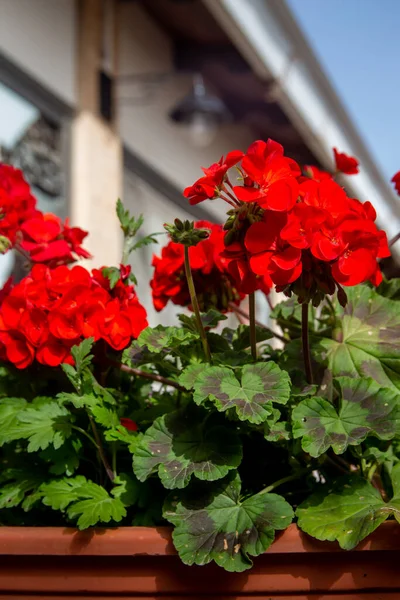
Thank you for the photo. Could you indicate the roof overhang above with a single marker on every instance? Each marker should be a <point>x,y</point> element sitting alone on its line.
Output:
<point>269,38</point>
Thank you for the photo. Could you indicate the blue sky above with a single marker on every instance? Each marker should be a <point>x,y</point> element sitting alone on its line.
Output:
<point>358,45</point>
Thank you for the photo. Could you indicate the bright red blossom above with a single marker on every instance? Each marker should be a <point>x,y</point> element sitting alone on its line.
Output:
<point>299,232</point>
<point>215,285</point>
<point>345,164</point>
<point>396,181</point>
<point>42,236</point>
<point>207,187</point>
<point>50,311</point>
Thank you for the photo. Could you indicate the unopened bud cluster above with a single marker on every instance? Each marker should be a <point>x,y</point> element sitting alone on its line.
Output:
<point>184,232</point>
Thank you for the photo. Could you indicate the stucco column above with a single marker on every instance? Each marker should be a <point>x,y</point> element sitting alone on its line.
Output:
<point>96,152</point>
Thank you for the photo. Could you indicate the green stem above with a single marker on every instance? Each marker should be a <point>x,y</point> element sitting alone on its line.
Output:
<point>86,434</point>
<point>284,480</point>
<point>371,471</point>
<point>252,317</point>
<point>245,315</point>
<point>114,458</point>
<point>195,306</point>
<point>100,449</point>
<point>305,341</point>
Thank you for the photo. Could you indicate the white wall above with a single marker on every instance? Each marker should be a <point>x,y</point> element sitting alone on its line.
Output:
<point>144,126</point>
<point>39,36</point>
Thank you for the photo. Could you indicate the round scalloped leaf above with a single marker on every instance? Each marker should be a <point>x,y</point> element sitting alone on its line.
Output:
<point>181,444</point>
<point>216,523</point>
<point>366,339</point>
<point>160,338</point>
<point>349,512</point>
<point>261,384</point>
<point>364,408</point>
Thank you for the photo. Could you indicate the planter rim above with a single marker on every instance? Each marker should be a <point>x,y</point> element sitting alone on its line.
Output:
<point>157,541</point>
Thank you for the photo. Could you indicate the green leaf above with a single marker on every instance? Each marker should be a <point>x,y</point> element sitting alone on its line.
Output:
<point>98,507</point>
<point>365,341</point>
<point>275,430</point>
<point>252,397</point>
<point>105,416</point>
<point>146,241</point>
<point>217,523</point>
<point>210,319</point>
<point>127,489</point>
<point>181,444</point>
<point>389,289</point>
<point>48,424</point>
<point>84,499</point>
<point>81,354</point>
<point>365,408</point>
<point>9,411</point>
<point>160,338</point>
<point>18,487</point>
<point>60,492</point>
<point>65,460</point>
<point>242,336</point>
<point>190,375</point>
<point>349,511</point>
<point>113,274</point>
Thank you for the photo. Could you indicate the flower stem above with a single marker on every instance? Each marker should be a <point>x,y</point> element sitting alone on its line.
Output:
<point>100,449</point>
<point>252,317</point>
<point>244,314</point>
<point>195,306</point>
<point>284,480</point>
<point>146,375</point>
<point>306,344</point>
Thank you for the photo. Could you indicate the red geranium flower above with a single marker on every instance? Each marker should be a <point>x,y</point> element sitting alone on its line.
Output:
<point>42,236</point>
<point>214,283</point>
<point>274,176</point>
<point>207,187</point>
<point>50,311</point>
<point>128,424</point>
<point>396,180</point>
<point>345,164</point>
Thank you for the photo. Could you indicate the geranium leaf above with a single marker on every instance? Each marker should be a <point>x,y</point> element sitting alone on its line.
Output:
<point>60,492</point>
<point>365,340</point>
<point>84,499</point>
<point>252,397</point>
<point>191,373</point>
<point>364,408</point>
<point>216,523</point>
<point>209,319</point>
<point>349,511</point>
<point>181,444</point>
<point>9,411</point>
<point>49,423</point>
<point>97,507</point>
<point>160,338</point>
<point>241,340</point>
<point>18,486</point>
<point>275,430</point>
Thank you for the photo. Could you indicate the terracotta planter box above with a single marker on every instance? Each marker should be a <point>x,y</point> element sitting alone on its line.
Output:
<point>140,563</point>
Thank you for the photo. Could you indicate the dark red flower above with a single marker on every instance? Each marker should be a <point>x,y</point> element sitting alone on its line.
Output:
<point>345,164</point>
<point>396,180</point>
<point>128,424</point>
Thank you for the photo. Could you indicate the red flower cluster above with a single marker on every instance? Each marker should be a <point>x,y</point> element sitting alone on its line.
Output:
<point>303,234</point>
<point>396,181</point>
<point>41,236</point>
<point>215,285</point>
<point>51,310</point>
<point>209,186</point>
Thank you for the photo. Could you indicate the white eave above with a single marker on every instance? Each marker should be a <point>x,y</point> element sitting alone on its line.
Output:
<point>268,36</point>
